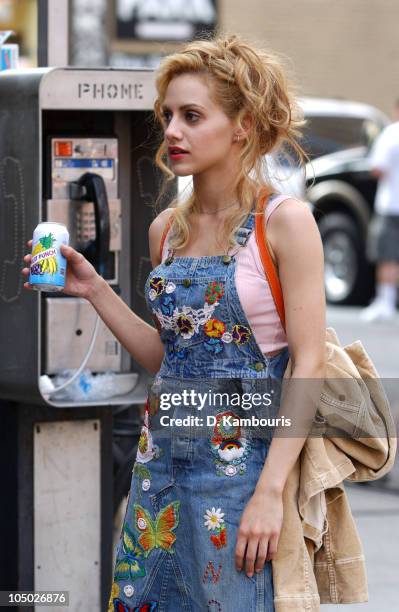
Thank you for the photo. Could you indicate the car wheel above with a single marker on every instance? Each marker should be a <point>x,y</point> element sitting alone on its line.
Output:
<point>348,277</point>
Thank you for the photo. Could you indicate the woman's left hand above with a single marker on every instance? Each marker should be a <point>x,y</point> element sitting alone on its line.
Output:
<point>259,531</point>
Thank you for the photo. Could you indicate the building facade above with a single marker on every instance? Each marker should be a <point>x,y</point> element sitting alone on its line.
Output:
<point>337,48</point>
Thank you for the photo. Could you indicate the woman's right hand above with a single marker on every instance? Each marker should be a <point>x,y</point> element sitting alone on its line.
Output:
<point>81,277</point>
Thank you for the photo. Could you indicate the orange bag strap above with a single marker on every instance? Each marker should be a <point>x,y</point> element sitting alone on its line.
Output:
<point>164,233</point>
<point>267,262</point>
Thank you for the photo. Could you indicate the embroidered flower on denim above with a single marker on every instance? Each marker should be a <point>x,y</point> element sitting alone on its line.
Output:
<point>157,286</point>
<point>186,320</point>
<point>214,292</point>
<point>214,328</point>
<point>146,450</point>
<point>229,447</point>
<point>170,287</point>
<point>241,334</point>
<point>214,521</point>
<point>186,326</point>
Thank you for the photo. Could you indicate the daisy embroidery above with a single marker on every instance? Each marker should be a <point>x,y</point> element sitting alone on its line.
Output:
<point>214,522</point>
<point>213,518</point>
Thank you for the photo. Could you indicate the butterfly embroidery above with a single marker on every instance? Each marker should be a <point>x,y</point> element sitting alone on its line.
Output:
<point>158,533</point>
<point>219,540</point>
<point>149,606</point>
<point>130,565</point>
<point>119,606</point>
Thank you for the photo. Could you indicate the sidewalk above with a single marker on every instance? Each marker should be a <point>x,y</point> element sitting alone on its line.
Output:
<point>377,518</point>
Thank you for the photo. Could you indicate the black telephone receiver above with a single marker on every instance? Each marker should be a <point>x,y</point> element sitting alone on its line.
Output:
<point>91,188</point>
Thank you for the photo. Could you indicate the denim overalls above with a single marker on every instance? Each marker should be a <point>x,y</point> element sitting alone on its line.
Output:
<point>197,466</point>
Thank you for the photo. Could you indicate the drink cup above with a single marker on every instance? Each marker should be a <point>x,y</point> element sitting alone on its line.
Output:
<point>48,265</point>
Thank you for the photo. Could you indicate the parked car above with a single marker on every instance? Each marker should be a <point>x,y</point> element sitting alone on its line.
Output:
<point>341,191</point>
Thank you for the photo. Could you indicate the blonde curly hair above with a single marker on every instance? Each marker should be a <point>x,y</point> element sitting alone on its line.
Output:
<point>244,80</point>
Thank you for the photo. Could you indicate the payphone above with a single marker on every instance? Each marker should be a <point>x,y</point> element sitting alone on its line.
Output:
<point>76,148</point>
<point>82,193</point>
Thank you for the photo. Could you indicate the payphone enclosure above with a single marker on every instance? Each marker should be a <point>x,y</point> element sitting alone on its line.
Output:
<point>76,147</point>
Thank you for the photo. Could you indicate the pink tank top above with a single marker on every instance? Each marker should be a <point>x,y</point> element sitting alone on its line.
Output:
<point>254,291</point>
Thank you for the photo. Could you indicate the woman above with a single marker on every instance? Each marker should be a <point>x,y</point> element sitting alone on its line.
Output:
<point>205,508</point>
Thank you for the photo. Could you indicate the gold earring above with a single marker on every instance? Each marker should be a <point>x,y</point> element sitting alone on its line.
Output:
<point>238,138</point>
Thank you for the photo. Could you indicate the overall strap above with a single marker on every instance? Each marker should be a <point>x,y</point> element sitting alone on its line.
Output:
<point>268,265</point>
<point>242,234</point>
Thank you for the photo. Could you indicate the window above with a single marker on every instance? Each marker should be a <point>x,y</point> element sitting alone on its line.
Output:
<point>324,135</point>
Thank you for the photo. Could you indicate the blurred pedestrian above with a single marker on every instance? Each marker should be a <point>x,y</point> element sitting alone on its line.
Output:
<point>383,239</point>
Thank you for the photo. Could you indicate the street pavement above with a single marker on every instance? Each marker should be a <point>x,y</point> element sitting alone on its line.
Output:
<point>375,506</point>
<point>381,340</point>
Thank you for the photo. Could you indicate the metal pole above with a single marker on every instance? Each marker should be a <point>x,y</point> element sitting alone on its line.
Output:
<point>53,32</point>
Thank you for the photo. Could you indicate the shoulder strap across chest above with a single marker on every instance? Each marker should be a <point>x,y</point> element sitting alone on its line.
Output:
<point>242,236</point>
